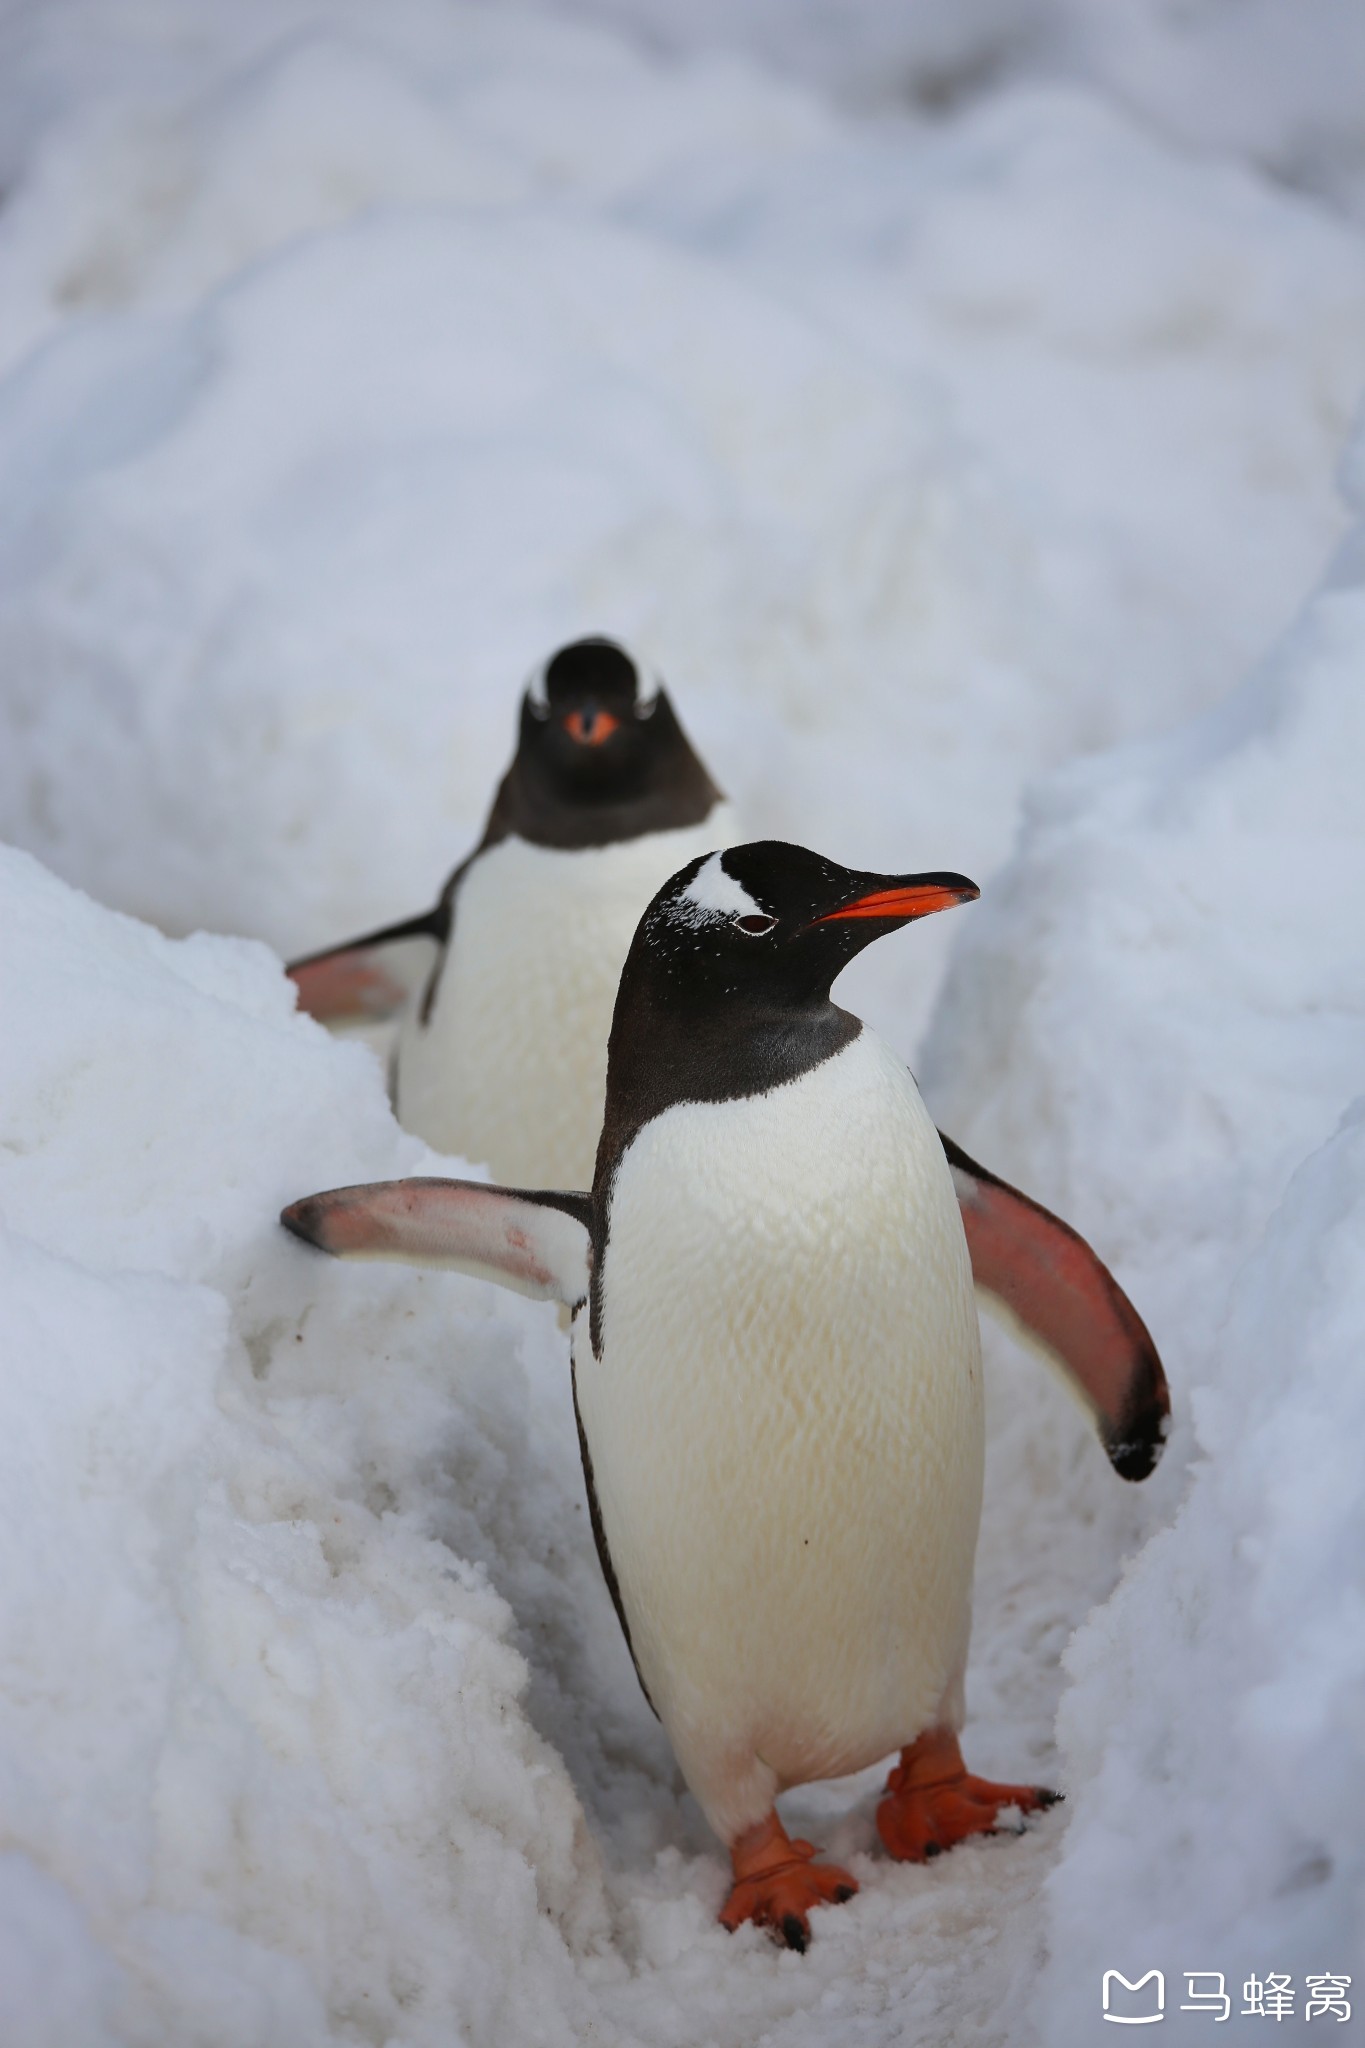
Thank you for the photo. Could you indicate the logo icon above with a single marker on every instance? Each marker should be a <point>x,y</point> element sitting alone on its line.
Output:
<point>1154,2002</point>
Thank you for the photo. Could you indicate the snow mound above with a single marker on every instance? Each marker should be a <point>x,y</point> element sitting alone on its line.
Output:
<point>1155,1024</point>
<point>1275,81</point>
<point>1213,1724</point>
<point>1181,920</point>
<point>266,1773</point>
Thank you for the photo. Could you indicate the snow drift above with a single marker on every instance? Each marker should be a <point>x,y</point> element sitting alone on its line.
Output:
<point>1276,81</point>
<point>1156,1024</point>
<point>263,1762</point>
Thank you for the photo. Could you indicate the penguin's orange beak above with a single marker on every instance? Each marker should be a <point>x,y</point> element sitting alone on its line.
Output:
<point>590,727</point>
<point>918,898</point>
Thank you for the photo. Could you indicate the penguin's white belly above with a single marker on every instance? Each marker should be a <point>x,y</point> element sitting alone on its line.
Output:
<point>785,1426</point>
<point>510,1069</point>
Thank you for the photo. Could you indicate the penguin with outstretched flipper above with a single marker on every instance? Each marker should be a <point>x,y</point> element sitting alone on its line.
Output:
<point>505,988</point>
<point>776,1359</point>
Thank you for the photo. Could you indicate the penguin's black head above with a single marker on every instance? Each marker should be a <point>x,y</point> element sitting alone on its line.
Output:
<point>598,760</point>
<point>770,925</point>
<point>726,988</point>
<point>586,730</point>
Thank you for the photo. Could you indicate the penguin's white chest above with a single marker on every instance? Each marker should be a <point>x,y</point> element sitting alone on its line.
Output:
<point>510,1068</point>
<point>785,1424</point>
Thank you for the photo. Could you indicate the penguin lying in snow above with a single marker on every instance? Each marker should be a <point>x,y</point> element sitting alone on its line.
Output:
<point>506,987</point>
<point>776,1359</point>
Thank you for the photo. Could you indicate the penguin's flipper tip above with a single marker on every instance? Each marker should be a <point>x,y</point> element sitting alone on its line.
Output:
<point>369,980</point>
<point>535,1243</point>
<point>307,1220</point>
<point>777,1882</point>
<point>1043,1281</point>
<point>346,987</point>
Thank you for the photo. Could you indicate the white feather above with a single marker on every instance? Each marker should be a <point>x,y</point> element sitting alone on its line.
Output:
<point>713,892</point>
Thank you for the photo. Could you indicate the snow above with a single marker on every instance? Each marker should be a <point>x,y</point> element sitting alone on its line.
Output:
<point>1255,1592</point>
<point>258,1721</point>
<point>972,484</point>
<point>861,436</point>
<point>1276,82</point>
<point>1182,918</point>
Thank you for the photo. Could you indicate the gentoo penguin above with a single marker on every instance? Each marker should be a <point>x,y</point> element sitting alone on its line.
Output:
<point>506,987</point>
<point>776,1361</point>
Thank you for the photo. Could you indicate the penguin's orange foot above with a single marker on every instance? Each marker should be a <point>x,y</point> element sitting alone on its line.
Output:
<point>777,1882</point>
<point>932,1800</point>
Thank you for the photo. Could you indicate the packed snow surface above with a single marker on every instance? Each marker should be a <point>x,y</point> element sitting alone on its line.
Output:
<point>972,482</point>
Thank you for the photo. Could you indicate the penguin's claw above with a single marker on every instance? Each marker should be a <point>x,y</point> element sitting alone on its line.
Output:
<point>933,1801</point>
<point>777,1881</point>
<point>795,1932</point>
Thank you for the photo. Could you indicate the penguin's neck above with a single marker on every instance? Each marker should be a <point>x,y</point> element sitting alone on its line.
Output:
<point>663,1053</point>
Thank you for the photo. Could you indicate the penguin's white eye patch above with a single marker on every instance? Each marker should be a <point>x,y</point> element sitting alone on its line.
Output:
<point>757,926</point>
<point>713,892</point>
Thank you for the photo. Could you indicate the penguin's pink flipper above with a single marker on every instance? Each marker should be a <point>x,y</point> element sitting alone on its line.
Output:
<point>1043,1280</point>
<point>370,979</point>
<point>535,1243</point>
<point>777,1881</point>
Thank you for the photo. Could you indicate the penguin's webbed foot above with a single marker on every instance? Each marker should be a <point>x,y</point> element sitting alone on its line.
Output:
<point>933,1801</point>
<point>777,1881</point>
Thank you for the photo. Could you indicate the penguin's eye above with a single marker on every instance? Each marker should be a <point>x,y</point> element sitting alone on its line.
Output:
<point>757,926</point>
